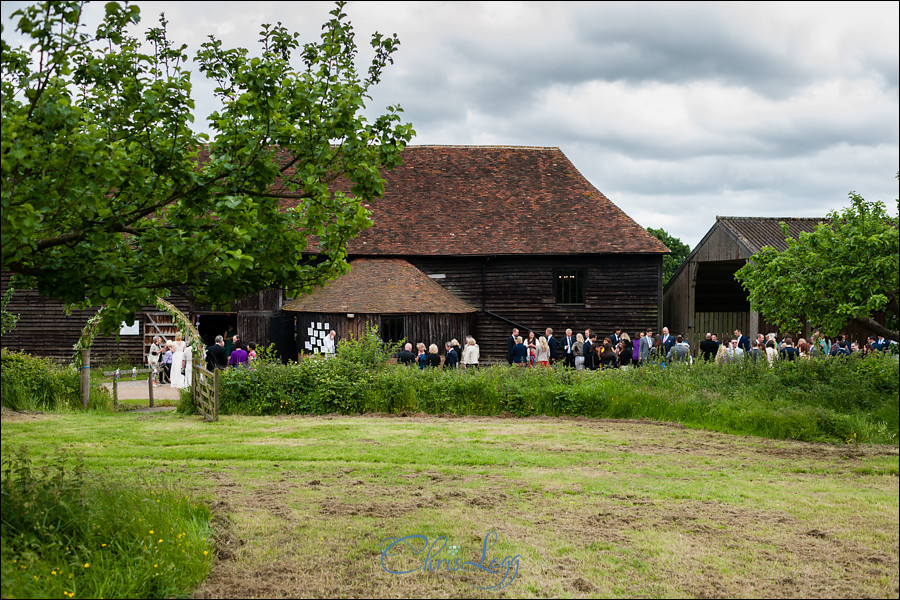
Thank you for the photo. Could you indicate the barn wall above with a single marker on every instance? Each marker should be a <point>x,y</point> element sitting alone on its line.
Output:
<point>419,327</point>
<point>620,290</point>
<point>44,328</point>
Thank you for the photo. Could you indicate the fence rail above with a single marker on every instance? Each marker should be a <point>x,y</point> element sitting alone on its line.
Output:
<point>205,393</point>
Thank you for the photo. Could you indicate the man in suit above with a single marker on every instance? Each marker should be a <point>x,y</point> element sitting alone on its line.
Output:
<point>589,342</point>
<point>709,348</point>
<point>510,344</point>
<point>568,343</point>
<point>789,352</point>
<point>742,340</point>
<point>680,352</point>
<point>553,343</point>
<point>216,358</point>
<point>645,347</point>
<point>406,356</point>
<point>451,358</point>
<point>667,340</point>
<point>616,337</point>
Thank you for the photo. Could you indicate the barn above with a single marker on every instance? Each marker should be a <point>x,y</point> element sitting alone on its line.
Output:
<point>516,234</point>
<point>521,235</point>
<point>703,295</point>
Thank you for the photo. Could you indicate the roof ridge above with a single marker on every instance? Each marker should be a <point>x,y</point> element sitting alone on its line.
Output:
<point>487,146</point>
<point>720,218</point>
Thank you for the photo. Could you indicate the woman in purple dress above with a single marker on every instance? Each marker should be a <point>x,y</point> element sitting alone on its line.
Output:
<point>636,353</point>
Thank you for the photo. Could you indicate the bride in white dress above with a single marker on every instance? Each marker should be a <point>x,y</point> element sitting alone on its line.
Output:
<point>178,362</point>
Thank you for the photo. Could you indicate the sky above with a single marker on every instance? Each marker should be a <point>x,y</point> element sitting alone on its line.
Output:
<point>677,112</point>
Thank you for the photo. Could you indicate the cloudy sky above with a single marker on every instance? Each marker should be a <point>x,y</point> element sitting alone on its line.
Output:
<point>678,112</point>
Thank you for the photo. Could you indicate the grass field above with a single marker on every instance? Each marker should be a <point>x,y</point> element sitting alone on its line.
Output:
<point>581,507</point>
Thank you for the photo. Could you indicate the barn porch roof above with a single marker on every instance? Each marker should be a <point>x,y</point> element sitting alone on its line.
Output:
<point>381,286</point>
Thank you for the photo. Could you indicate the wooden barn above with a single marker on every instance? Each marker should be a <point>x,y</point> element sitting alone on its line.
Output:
<point>519,234</point>
<point>703,295</point>
<point>516,234</point>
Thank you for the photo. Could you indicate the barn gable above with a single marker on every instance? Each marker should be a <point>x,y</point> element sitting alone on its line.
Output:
<point>703,295</point>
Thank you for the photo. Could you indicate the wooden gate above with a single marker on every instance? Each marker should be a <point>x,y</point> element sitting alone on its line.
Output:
<point>205,393</point>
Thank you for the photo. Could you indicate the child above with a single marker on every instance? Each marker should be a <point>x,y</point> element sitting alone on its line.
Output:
<point>165,375</point>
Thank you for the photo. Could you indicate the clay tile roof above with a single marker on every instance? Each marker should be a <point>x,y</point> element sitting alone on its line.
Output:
<point>756,232</point>
<point>490,200</point>
<point>381,286</point>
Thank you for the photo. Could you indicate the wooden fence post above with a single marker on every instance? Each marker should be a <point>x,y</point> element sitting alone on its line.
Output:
<point>150,385</point>
<point>85,377</point>
<point>216,395</point>
<point>116,390</point>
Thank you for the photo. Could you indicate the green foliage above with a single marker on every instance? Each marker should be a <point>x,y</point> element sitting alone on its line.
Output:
<point>9,320</point>
<point>844,272</point>
<point>369,351</point>
<point>103,175</point>
<point>68,534</point>
<point>680,252</point>
<point>38,384</point>
<point>836,400</point>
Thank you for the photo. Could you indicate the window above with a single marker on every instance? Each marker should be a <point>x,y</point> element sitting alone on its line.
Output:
<point>570,286</point>
<point>392,329</point>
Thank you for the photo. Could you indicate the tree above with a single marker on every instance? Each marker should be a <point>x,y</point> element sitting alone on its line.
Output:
<point>844,272</point>
<point>680,252</point>
<point>110,198</point>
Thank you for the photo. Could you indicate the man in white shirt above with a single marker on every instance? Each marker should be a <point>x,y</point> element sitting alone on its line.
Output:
<point>328,344</point>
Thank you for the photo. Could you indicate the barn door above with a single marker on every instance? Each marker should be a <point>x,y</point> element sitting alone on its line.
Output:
<point>281,333</point>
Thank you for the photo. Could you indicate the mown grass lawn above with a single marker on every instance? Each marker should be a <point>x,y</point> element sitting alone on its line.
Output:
<point>588,507</point>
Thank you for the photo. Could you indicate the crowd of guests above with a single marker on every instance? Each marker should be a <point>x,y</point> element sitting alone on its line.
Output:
<point>588,351</point>
<point>232,353</point>
<point>768,346</point>
<point>454,357</point>
<point>172,360</point>
<point>579,351</point>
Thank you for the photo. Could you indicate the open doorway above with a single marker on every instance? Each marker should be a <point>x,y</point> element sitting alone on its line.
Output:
<point>209,325</point>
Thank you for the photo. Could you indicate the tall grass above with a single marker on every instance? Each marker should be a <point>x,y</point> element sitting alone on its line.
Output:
<point>38,384</point>
<point>836,400</point>
<point>66,534</point>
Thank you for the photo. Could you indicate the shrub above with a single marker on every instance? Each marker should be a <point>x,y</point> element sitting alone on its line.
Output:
<point>833,400</point>
<point>38,384</point>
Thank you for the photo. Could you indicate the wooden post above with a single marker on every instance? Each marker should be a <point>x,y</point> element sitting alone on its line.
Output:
<point>85,377</point>
<point>215,394</point>
<point>150,386</point>
<point>116,391</point>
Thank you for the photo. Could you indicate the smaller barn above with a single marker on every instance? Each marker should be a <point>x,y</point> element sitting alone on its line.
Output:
<point>703,295</point>
<point>402,301</point>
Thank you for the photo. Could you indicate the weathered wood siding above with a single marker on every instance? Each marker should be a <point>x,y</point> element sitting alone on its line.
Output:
<point>44,329</point>
<point>620,290</point>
